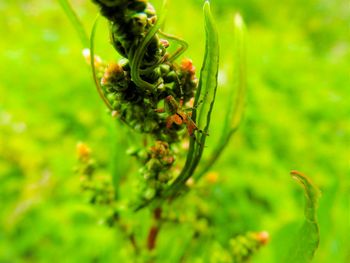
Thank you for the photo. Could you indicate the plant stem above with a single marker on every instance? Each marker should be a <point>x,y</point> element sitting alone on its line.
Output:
<point>77,24</point>
<point>134,243</point>
<point>154,230</point>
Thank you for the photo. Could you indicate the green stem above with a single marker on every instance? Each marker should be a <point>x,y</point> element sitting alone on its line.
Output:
<point>77,24</point>
<point>92,62</point>
<point>181,42</point>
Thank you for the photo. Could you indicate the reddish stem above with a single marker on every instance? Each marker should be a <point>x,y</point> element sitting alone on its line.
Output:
<point>153,232</point>
<point>152,237</point>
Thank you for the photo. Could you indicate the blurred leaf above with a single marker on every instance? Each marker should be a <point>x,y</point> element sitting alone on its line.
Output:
<point>236,109</point>
<point>307,240</point>
<point>93,66</point>
<point>72,16</point>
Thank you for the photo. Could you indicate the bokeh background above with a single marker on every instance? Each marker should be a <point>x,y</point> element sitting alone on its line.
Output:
<point>297,117</point>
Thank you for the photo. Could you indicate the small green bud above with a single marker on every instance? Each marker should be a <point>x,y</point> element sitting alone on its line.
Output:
<point>170,77</point>
<point>138,23</point>
<point>116,105</point>
<point>164,69</point>
<point>154,165</point>
<point>142,155</point>
<point>150,11</point>
<point>111,97</point>
<point>149,175</point>
<point>133,151</point>
<point>150,193</point>
<point>164,177</point>
<point>150,125</point>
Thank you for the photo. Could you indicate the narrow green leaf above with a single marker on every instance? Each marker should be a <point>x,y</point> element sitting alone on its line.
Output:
<point>119,137</point>
<point>235,106</point>
<point>77,24</point>
<point>205,98</point>
<point>208,81</point>
<point>93,67</point>
<point>306,241</point>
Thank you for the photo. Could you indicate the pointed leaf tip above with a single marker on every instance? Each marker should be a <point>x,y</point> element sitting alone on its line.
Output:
<point>306,241</point>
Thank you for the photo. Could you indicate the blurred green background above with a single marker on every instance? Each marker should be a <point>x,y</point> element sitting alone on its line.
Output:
<point>297,117</point>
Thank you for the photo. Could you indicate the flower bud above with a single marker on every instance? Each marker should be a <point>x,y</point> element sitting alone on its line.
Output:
<point>170,77</point>
<point>164,42</point>
<point>83,151</point>
<point>113,74</point>
<point>149,193</point>
<point>154,165</point>
<point>190,182</point>
<point>138,23</point>
<point>168,160</point>
<point>212,177</point>
<point>187,66</point>
<point>164,69</point>
<point>164,177</point>
<point>150,11</point>
<point>262,237</point>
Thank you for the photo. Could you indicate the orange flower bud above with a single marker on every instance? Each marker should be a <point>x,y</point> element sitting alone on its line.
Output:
<point>212,177</point>
<point>262,237</point>
<point>187,65</point>
<point>83,151</point>
<point>114,72</point>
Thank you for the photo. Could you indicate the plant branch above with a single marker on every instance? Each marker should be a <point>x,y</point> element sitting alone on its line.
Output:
<point>154,230</point>
<point>78,26</point>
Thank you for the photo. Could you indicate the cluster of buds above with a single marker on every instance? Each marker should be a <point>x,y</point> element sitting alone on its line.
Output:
<point>130,22</point>
<point>189,81</point>
<point>142,80</point>
<point>244,246</point>
<point>99,189</point>
<point>157,161</point>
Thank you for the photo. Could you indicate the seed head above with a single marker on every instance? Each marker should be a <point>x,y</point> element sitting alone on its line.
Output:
<point>114,72</point>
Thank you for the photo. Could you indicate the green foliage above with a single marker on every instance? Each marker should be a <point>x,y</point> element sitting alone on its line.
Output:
<point>296,116</point>
<point>205,96</point>
<point>75,22</point>
<point>307,240</point>
<point>93,65</point>
<point>236,109</point>
<point>204,99</point>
